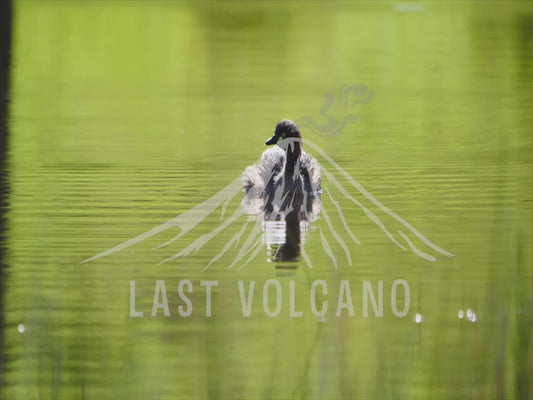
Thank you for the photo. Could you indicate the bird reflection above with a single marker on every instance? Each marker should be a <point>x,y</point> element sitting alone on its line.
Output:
<point>283,241</point>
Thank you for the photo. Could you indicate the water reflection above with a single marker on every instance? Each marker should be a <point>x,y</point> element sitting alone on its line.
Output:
<point>277,236</point>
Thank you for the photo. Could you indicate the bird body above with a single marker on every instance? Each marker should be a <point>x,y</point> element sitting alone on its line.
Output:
<point>286,179</point>
<point>270,180</point>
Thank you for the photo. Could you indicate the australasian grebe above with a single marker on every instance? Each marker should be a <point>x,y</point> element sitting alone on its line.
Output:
<point>286,179</point>
<point>285,185</point>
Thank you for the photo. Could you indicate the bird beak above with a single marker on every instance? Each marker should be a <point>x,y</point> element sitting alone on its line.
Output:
<point>272,140</point>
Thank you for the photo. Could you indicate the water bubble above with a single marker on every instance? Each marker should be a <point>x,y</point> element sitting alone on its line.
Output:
<point>419,318</point>
<point>470,315</point>
<point>21,328</point>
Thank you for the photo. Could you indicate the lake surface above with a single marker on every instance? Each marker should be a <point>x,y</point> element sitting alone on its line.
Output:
<point>126,115</point>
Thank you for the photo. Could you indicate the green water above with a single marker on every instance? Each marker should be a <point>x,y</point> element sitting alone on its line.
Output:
<point>124,115</point>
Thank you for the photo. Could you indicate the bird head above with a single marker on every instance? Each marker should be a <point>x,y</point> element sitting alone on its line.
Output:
<point>284,129</point>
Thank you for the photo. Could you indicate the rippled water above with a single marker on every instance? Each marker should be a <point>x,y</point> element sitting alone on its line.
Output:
<point>123,116</point>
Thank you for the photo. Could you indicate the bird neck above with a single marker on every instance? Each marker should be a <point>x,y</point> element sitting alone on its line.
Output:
<point>294,151</point>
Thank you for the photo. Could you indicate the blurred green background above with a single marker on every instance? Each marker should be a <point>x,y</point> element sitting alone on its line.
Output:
<point>125,114</point>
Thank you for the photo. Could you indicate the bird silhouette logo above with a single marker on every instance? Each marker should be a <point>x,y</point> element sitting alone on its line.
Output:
<point>347,98</point>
